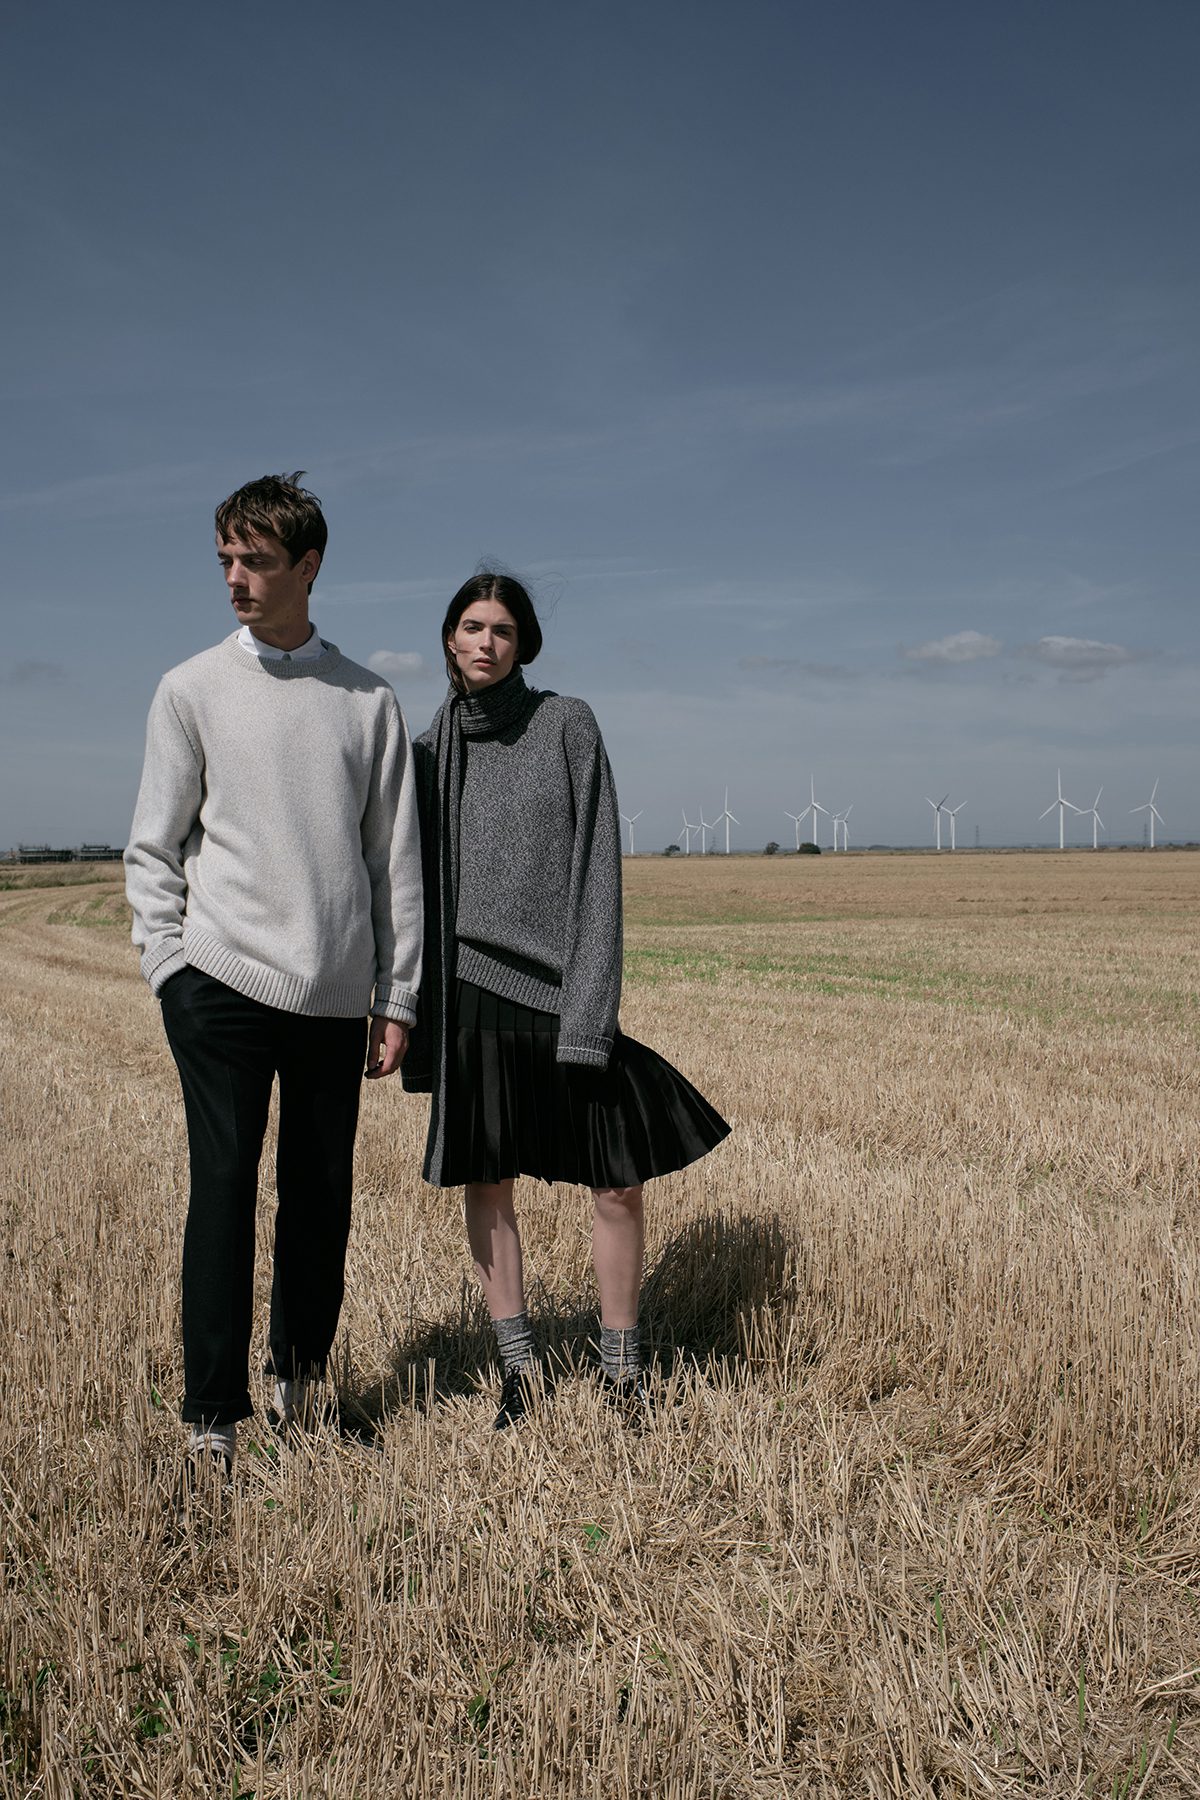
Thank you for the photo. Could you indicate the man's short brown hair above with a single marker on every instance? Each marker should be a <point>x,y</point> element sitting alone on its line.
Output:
<point>276,506</point>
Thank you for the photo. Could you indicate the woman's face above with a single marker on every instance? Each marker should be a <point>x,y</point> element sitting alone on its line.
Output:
<point>484,644</point>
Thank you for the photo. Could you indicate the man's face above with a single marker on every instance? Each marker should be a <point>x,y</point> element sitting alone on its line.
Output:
<point>269,592</point>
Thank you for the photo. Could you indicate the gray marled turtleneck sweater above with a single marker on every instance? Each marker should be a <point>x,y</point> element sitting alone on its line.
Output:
<point>536,870</point>
<point>539,891</point>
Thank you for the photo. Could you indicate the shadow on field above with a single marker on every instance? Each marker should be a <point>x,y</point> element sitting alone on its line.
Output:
<point>697,1300</point>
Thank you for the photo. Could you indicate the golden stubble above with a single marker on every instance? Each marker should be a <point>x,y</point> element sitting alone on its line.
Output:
<point>919,1511</point>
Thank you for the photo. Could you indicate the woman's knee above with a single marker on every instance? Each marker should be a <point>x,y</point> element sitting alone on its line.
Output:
<point>488,1196</point>
<point>615,1202</point>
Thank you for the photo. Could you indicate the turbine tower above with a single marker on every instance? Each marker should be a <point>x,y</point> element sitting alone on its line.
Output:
<point>629,821</point>
<point>1063,807</point>
<point>814,806</point>
<point>1149,806</point>
<point>728,818</point>
<point>938,806</point>
<point>686,834</point>
<point>704,826</point>
<point>840,819</point>
<point>795,818</point>
<point>1091,813</point>
<point>952,813</point>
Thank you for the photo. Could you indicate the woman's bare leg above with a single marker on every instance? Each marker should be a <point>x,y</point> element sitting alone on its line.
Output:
<point>618,1245</point>
<point>496,1246</point>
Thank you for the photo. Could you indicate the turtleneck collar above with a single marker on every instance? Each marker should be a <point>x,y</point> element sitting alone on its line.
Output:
<point>491,709</point>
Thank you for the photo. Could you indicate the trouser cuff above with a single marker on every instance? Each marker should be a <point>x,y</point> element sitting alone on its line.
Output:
<point>209,1414</point>
<point>295,1365</point>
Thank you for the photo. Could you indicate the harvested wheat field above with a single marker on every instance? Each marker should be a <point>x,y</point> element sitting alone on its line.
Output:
<point>919,1511</point>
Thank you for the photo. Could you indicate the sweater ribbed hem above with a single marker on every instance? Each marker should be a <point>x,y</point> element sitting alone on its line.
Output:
<point>578,1048</point>
<point>512,984</point>
<point>398,1004</point>
<point>271,987</point>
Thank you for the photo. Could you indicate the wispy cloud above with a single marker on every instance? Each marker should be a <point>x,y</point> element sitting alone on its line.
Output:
<point>126,492</point>
<point>31,674</point>
<point>429,593</point>
<point>398,665</point>
<point>958,647</point>
<point>1079,659</point>
<point>794,665</point>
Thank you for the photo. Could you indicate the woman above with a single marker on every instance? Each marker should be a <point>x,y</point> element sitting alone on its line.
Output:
<point>517,1039</point>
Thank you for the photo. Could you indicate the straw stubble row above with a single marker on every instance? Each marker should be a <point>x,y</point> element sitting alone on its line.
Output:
<point>918,1512</point>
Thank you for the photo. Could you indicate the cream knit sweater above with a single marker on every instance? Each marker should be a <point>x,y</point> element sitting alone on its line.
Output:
<point>275,842</point>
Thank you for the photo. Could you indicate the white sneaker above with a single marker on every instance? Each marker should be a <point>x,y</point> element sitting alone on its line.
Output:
<point>299,1405</point>
<point>216,1441</point>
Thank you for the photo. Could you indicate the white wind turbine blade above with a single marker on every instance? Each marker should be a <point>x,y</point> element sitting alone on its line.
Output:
<point>1149,806</point>
<point>938,806</point>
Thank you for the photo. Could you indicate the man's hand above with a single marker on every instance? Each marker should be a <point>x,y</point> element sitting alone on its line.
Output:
<point>385,1052</point>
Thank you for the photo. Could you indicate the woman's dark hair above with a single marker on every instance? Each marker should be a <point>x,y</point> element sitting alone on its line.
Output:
<point>487,585</point>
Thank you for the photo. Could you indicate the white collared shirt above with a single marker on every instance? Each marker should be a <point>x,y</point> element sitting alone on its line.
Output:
<point>312,646</point>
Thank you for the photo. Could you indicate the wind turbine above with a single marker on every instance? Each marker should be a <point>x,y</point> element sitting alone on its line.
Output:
<point>840,819</point>
<point>1149,806</point>
<point>686,834</point>
<point>937,806</point>
<point>629,821</point>
<point>795,818</point>
<point>1091,813</point>
<point>1063,806</point>
<point>704,826</point>
<point>952,813</point>
<point>814,806</point>
<point>728,818</point>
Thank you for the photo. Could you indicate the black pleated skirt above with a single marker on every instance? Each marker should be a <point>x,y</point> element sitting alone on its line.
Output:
<point>513,1109</point>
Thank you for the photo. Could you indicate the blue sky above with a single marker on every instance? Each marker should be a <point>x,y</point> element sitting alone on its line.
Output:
<point>832,371</point>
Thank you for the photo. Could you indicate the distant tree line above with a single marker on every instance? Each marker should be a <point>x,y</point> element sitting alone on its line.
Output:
<point>42,853</point>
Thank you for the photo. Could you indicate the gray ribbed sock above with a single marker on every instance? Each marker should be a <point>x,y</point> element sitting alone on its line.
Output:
<point>515,1338</point>
<point>620,1350</point>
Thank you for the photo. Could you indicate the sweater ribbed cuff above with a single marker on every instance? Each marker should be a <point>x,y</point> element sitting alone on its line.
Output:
<point>578,1048</point>
<point>161,961</point>
<point>398,1004</point>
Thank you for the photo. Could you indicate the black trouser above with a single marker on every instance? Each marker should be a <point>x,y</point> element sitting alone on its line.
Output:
<point>228,1050</point>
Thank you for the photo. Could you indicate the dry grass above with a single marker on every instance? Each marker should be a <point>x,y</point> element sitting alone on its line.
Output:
<point>920,1512</point>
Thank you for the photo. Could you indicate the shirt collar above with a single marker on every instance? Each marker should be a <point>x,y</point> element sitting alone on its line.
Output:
<point>311,647</point>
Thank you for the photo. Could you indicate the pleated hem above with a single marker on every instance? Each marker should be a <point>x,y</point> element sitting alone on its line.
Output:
<point>513,1109</point>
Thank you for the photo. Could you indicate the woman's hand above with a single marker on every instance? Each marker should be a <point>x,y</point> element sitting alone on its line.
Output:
<point>385,1051</point>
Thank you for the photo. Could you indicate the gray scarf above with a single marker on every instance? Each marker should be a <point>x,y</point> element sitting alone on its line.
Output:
<point>483,714</point>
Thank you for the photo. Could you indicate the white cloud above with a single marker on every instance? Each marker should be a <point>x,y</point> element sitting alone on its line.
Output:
<point>1079,659</point>
<point>959,647</point>
<point>397,665</point>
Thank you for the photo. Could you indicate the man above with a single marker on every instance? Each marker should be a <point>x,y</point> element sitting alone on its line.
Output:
<point>273,870</point>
